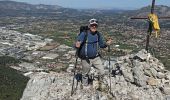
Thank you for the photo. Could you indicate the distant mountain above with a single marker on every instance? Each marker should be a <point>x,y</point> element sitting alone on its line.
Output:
<point>13,5</point>
<point>20,9</point>
<point>161,10</point>
<point>12,8</point>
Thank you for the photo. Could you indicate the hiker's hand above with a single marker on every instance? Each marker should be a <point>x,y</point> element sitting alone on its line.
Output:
<point>109,41</point>
<point>78,43</point>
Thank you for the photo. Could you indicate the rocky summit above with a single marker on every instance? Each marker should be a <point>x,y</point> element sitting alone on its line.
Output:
<point>134,77</point>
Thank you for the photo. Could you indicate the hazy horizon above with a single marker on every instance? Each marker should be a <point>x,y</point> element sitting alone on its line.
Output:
<point>88,4</point>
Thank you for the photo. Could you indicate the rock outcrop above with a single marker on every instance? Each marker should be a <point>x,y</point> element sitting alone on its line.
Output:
<point>135,77</point>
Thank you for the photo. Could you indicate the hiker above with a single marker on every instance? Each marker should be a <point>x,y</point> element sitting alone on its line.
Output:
<point>89,43</point>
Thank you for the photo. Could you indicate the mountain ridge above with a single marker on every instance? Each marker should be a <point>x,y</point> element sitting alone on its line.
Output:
<point>13,8</point>
<point>13,5</point>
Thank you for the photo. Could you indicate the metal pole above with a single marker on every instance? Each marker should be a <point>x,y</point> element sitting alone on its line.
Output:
<point>150,29</point>
<point>109,67</point>
<point>147,41</point>
<point>74,70</point>
<point>153,6</point>
<point>150,26</point>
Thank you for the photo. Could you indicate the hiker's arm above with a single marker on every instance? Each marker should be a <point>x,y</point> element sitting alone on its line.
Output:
<point>80,39</point>
<point>102,44</point>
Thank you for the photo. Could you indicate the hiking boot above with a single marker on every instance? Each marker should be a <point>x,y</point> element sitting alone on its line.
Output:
<point>90,79</point>
<point>78,77</point>
<point>85,80</point>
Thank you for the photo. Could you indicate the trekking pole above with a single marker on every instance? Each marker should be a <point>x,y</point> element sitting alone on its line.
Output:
<point>109,67</point>
<point>74,70</point>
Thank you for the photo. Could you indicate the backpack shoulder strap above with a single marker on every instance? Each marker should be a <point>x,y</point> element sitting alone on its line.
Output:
<point>85,38</point>
<point>98,34</point>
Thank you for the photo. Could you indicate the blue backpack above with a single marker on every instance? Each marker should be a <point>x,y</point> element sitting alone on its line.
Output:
<point>84,29</point>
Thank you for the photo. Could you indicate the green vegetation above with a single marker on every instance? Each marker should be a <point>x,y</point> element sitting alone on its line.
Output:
<point>66,38</point>
<point>4,60</point>
<point>12,82</point>
<point>126,46</point>
<point>165,61</point>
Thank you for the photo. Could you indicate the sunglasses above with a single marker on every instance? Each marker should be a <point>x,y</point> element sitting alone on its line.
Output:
<point>93,25</point>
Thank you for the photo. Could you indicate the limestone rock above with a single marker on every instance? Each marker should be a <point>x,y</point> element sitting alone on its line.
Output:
<point>148,72</point>
<point>160,75</point>
<point>154,72</point>
<point>152,82</point>
<point>142,55</point>
<point>167,97</point>
<point>128,75</point>
<point>166,89</point>
<point>141,77</point>
<point>167,76</point>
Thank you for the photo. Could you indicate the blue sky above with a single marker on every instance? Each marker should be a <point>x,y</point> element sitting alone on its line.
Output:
<point>98,3</point>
